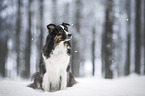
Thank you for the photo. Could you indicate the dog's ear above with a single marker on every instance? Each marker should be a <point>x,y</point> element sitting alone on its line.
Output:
<point>51,27</point>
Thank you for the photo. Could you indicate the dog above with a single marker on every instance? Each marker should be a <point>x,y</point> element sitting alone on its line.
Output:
<point>55,60</point>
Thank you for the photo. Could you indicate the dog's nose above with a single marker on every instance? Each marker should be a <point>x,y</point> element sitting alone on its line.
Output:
<point>69,34</point>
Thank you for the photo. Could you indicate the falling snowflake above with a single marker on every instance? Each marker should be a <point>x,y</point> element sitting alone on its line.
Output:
<point>76,51</point>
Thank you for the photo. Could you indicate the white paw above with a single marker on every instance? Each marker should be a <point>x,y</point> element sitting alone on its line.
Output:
<point>63,87</point>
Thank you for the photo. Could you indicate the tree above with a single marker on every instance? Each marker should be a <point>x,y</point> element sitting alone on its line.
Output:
<point>3,39</point>
<point>127,65</point>
<point>93,51</point>
<point>3,55</point>
<point>41,24</point>
<point>75,40</point>
<point>26,72</point>
<point>138,37</point>
<point>66,11</point>
<point>144,38</point>
<point>18,30</point>
<point>40,29</point>
<point>107,42</point>
<point>54,11</point>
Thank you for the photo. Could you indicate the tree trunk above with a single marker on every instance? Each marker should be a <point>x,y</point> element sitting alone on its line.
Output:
<point>18,30</point>
<point>127,65</point>
<point>26,72</point>
<point>138,37</point>
<point>107,42</point>
<point>3,56</point>
<point>54,11</point>
<point>66,11</point>
<point>75,58</point>
<point>41,24</point>
<point>93,51</point>
<point>75,41</point>
<point>78,15</point>
<point>3,41</point>
<point>144,38</point>
<point>40,28</point>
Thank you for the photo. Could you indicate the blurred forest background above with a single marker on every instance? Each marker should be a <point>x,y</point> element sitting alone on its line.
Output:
<point>108,35</point>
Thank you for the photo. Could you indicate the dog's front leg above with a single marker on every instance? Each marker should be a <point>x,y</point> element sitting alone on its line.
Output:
<point>46,83</point>
<point>63,80</point>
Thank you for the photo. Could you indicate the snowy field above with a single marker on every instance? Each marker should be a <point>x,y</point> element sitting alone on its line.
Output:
<point>132,85</point>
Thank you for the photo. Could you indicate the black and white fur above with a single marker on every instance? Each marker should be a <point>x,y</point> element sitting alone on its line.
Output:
<point>54,64</point>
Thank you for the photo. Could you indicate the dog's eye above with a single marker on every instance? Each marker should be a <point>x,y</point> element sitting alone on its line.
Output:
<point>60,33</point>
<point>61,30</point>
<point>66,29</point>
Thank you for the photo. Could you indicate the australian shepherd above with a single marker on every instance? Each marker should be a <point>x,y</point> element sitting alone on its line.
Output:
<point>55,60</point>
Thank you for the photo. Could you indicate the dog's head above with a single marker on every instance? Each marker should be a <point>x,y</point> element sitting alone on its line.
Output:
<point>59,32</point>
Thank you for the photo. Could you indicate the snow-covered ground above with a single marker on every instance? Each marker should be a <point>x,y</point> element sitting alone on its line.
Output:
<point>132,85</point>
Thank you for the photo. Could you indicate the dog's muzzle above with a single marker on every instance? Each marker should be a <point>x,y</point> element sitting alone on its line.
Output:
<point>68,36</point>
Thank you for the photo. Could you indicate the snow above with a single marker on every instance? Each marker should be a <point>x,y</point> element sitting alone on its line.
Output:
<point>132,85</point>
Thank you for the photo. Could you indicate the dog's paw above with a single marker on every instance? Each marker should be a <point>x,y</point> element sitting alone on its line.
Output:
<point>63,87</point>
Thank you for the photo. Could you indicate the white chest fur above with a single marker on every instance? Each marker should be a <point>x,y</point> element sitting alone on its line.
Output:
<point>56,67</point>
